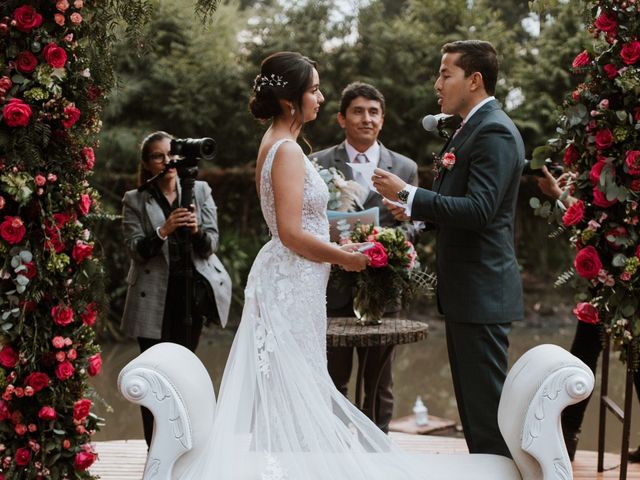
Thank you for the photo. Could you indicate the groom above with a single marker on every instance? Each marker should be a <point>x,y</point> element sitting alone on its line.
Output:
<point>472,205</point>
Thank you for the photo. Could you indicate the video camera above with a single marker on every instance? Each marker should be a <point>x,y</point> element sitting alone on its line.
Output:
<point>192,149</point>
<point>553,168</point>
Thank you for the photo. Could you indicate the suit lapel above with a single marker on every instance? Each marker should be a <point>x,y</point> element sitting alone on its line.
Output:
<point>341,160</point>
<point>156,217</point>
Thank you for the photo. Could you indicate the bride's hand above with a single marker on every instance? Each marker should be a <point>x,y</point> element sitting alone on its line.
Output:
<point>352,247</point>
<point>355,262</point>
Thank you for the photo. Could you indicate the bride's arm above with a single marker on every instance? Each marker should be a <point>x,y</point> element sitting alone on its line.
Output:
<point>287,178</point>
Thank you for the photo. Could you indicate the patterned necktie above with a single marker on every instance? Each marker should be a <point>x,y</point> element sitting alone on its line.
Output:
<point>361,158</point>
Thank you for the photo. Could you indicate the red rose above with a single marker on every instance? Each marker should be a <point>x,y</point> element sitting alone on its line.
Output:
<point>604,139</point>
<point>581,60</point>
<point>81,409</point>
<point>47,413</point>
<point>596,171</point>
<point>611,236</point>
<point>84,460</point>
<point>27,18</point>
<point>95,364</point>
<point>586,313</point>
<point>611,70</point>
<point>12,230</point>
<point>4,411</point>
<point>630,52</point>
<point>71,116</point>
<point>62,315</point>
<point>607,22</point>
<point>89,157</point>
<point>635,185</point>
<point>600,199</point>
<point>633,162</point>
<point>30,271</point>
<point>23,457</point>
<point>85,203</point>
<point>37,381</point>
<point>61,219</point>
<point>587,262</point>
<point>64,370</point>
<point>5,83</point>
<point>90,314</point>
<point>571,155</point>
<point>377,256</point>
<point>16,113</point>
<point>55,55</point>
<point>81,251</point>
<point>574,214</point>
<point>8,357</point>
<point>26,62</point>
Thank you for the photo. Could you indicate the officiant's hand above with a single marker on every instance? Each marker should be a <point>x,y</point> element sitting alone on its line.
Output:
<point>398,212</point>
<point>387,184</point>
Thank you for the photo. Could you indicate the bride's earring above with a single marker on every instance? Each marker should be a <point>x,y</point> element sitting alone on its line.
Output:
<point>293,111</point>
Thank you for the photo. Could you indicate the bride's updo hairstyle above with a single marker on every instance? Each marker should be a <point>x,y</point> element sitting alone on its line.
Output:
<point>283,76</point>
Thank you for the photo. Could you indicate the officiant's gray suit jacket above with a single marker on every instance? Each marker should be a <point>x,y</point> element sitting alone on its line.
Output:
<point>391,161</point>
<point>473,207</point>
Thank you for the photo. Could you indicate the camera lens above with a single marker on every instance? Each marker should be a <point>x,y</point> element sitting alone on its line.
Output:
<point>204,148</point>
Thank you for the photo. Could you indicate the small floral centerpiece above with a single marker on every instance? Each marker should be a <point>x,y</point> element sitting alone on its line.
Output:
<point>393,275</point>
<point>344,195</point>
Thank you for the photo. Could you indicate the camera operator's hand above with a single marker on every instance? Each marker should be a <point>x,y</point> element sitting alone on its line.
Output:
<point>180,217</point>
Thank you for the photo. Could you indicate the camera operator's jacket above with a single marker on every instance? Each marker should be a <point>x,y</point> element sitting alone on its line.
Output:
<point>148,278</point>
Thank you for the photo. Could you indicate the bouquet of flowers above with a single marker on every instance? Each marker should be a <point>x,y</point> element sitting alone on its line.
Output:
<point>344,195</point>
<point>599,136</point>
<point>392,276</point>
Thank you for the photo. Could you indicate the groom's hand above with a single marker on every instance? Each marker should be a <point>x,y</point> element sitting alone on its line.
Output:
<point>387,184</point>
<point>399,213</point>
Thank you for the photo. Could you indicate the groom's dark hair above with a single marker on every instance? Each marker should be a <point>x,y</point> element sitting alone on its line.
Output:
<point>359,89</point>
<point>476,56</point>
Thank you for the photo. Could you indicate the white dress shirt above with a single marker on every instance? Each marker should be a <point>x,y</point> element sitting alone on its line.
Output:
<point>362,172</point>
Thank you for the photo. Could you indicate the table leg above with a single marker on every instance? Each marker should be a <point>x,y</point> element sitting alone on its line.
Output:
<point>386,358</point>
<point>359,380</point>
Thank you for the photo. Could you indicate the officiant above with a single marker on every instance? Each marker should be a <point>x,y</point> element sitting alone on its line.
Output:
<point>361,116</point>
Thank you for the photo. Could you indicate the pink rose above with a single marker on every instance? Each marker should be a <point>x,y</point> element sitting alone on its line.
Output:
<point>574,214</point>
<point>20,428</point>
<point>604,104</point>
<point>62,315</point>
<point>76,18</point>
<point>61,356</point>
<point>95,364</point>
<point>16,113</point>
<point>600,199</point>
<point>37,381</point>
<point>47,413</point>
<point>62,5</point>
<point>27,18</point>
<point>59,19</point>
<point>64,371</point>
<point>625,276</point>
<point>630,52</point>
<point>633,162</point>
<point>78,4</point>
<point>23,457</point>
<point>587,262</point>
<point>40,180</point>
<point>611,70</point>
<point>85,203</point>
<point>90,314</point>
<point>571,155</point>
<point>581,60</point>
<point>377,256</point>
<point>81,409</point>
<point>57,342</point>
<point>5,83</point>
<point>55,55</point>
<point>84,460</point>
<point>72,354</point>
<point>12,230</point>
<point>448,160</point>
<point>586,313</point>
<point>607,22</point>
<point>71,116</point>
<point>8,357</point>
<point>89,157</point>
<point>604,139</point>
<point>81,251</point>
<point>26,62</point>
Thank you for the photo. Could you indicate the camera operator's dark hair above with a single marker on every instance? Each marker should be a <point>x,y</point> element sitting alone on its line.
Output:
<point>145,147</point>
<point>359,89</point>
<point>295,69</point>
<point>476,56</point>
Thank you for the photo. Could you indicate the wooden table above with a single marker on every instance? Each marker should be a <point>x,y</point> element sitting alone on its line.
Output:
<point>346,332</point>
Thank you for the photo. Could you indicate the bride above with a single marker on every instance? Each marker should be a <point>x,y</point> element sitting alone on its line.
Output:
<point>279,415</point>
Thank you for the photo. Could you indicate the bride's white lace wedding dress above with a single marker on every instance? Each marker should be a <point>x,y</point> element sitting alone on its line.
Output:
<point>279,415</point>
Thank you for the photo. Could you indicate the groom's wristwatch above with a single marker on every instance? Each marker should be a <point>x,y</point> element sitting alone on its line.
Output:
<point>403,195</point>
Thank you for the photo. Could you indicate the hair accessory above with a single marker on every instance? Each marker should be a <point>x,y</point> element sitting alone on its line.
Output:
<point>271,81</point>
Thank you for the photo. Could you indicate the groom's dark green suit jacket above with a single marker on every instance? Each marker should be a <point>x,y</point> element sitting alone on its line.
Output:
<point>473,207</point>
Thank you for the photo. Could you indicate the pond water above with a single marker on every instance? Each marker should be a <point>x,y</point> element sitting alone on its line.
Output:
<point>419,369</point>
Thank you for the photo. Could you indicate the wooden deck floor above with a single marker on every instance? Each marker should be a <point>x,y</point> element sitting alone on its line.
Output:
<point>124,459</point>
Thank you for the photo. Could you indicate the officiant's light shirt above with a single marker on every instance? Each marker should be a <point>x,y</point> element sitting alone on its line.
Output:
<point>373,157</point>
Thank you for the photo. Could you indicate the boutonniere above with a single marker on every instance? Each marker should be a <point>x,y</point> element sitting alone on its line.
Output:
<point>448,160</point>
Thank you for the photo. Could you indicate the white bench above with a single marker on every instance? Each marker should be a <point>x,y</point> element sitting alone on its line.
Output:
<point>172,382</point>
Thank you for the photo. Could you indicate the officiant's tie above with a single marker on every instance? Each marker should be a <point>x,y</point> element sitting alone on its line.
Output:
<point>361,158</point>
